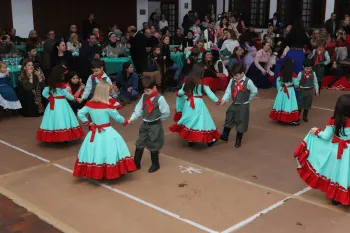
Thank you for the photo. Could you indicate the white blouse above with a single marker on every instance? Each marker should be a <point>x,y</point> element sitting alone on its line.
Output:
<point>163,24</point>
<point>230,45</point>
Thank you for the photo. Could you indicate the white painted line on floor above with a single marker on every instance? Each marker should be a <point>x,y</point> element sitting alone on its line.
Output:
<point>164,211</point>
<point>265,211</point>
<point>326,109</point>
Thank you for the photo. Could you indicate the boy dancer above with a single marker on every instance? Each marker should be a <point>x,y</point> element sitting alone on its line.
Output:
<point>241,90</point>
<point>307,83</point>
<point>153,108</point>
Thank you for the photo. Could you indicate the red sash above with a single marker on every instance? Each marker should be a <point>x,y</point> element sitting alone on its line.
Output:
<point>99,128</point>
<point>285,89</point>
<point>319,57</point>
<point>342,145</point>
<point>190,98</point>
<point>52,100</point>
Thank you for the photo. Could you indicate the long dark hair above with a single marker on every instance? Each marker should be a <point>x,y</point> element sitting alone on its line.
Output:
<point>126,66</point>
<point>74,87</point>
<point>193,79</point>
<point>297,30</point>
<point>57,76</point>
<point>151,18</point>
<point>287,70</point>
<point>222,23</point>
<point>341,114</point>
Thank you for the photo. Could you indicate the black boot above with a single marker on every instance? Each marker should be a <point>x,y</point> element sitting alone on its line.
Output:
<point>191,144</point>
<point>334,202</point>
<point>138,157</point>
<point>225,134</point>
<point>238,139</point>
<point>210,144</point>
<point>155,162</point>
<point>305,115</point>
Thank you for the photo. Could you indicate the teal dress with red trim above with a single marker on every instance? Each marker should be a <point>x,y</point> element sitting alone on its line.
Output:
<point>196,123</point>
<point>324,162</point>
<point>59,124</point>
<point>104,153</point>
<point>285,108</point>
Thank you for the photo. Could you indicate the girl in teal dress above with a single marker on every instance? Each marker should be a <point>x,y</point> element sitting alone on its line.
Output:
<point>196,124</point>
<point>324,155</point>
<point>59,123</point>
<point>104,153</point>
<point>285,109</point>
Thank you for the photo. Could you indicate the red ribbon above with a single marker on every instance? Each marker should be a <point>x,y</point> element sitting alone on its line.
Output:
<point>99,77</point>
<point>235,89</point>
<point>190,98</point>
<point>318,56</point>
<point>285,89</point>
<point>52,100</point>
<point>99,128</point>
<point>342,145</point>
<point>149,103</point>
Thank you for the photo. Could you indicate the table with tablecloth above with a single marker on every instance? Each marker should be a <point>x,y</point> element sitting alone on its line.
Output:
<point>14,72</point>
<point>115,64</point>
<point>22,48</point>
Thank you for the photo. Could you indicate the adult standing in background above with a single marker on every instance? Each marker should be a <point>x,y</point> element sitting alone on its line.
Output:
<point>137,44</point>
<point>163,23</point>
<point>187,22</point>
<point>89,25</point>
<point>153,21</point>
<point>47,51</point>
<point>331,25</point>
<point>276,23</point>
<point>87,53</point>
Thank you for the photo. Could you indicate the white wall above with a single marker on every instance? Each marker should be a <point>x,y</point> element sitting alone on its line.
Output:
<point>22,17</point>
<point>273,8</point>
<point>329,9</point>
<point>154,7</point>
<point>141,4</point>
<point>182,10</point>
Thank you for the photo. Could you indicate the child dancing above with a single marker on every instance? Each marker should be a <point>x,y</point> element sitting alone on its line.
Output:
<point>153,108</point>
<point>104,153</point>
<point>241,90</point>
<point>285,108</point>
<point>323,156</point>
<point>59,123</point>
<point>196,124</point>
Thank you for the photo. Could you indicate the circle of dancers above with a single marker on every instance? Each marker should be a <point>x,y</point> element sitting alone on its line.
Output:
<point>323,156</point>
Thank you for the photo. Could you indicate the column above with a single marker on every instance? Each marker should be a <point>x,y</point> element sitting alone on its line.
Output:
<point>183,10</point>
<point>329,9</point>
<point>273,8</point>
<point>141,13</point>
<point>22,17</point>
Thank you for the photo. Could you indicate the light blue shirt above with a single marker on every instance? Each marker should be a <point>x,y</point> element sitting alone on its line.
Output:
<point>250,85</point>
<point>326,55</point>
<point>88,87</point>
<point>163,107</point>
<point>300,76</point>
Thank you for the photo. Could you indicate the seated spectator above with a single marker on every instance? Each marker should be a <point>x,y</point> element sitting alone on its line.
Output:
<point>218,64</point>
<point>165,31</point>
<point>237,56</point>
<point>30,87</point>
<point>113,28</point>
<point>154,32</point>
<point>228,46</point>
<point>188,41</point>
<point>337,71</point>
<point>210,33</point>
<point>72,29</point>
<point>207,63</point>
<point>33,38</point>
<point>73,44</point>
<point>31,55</point>
<point>87,53</point>
<point>190,61</point>
<point>178,38</point>
<point>114,47</point>
<point>60,56</point>
<point>99,37</point>
<point>6,46</point>
<point>127,82</point>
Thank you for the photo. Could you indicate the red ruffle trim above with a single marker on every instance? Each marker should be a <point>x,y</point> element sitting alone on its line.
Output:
<point>283,116</point>
<point>61,135</point>
<point>316,181</point>
<point>195,135</point>
<point>177,116</point>
<point>104,171</point>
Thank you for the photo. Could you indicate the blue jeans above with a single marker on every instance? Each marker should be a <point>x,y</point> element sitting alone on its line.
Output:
<point>177,69</point>
<point>129,95</point>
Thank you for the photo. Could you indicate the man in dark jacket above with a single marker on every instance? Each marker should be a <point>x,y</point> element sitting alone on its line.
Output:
<point>89,25</point>
<point>331,25</point>
<point>87,53</point>
<point>137,44</point>
<point>275,21</point>
<point>187,22</point>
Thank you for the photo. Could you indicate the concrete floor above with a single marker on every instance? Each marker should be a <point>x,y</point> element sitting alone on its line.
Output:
<point>253,189</point>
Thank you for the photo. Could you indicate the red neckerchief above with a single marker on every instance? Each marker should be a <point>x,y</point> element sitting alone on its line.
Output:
<point>319,57</point>
<point>235,89</point>
<point>308,74</point>
<point>149,102</point>
<point>99,77</point>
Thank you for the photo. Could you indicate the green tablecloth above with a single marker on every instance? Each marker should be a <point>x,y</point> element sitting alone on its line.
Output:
<point>178,58</point>
<point>22,48</point>
<point>14,72</point>
<point>115,64</point>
